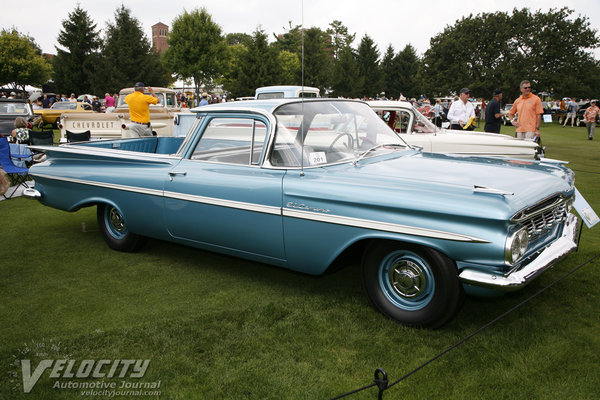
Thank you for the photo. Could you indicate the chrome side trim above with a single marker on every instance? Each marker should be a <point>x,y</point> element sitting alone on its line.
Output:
<point>379,226</point>
<point>225,203</point>
<point>111,153</point>
<point>518,278</point>
<point>135,189</point>
<point>287,212</point>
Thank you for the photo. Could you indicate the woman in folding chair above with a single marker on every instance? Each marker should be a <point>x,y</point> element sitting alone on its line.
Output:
<point>17,174</point>
<point>21,132</point>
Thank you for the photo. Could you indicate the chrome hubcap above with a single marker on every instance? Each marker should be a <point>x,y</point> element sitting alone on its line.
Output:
<point>116,220</point>
<point>407,278</point>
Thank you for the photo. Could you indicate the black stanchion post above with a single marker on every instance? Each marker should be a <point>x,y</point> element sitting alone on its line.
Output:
<point>381,380</point>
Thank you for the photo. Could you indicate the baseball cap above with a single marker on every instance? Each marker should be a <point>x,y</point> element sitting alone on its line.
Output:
<point>140,84</point>
<point>464,90</point>
<point>497,92</point>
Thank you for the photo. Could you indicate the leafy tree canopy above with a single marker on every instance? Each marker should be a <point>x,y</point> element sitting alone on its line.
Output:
<point>21,62</point>
<point>128,57</point>
<point>197,50</point>
<point>489,50</point>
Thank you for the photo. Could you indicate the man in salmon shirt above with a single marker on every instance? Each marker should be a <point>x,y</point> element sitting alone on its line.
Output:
<point>139,110</point>
<point>530,110</point>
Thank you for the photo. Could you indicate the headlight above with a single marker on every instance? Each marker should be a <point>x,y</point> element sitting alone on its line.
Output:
<point>516,246</point>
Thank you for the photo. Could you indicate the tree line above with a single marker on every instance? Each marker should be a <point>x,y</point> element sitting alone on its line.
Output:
<point>485,51</point>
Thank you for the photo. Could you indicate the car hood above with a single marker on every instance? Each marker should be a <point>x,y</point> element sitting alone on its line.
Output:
<point>521,182</point>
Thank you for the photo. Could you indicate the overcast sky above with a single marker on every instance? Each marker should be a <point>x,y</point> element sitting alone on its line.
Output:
<point>395,22</point>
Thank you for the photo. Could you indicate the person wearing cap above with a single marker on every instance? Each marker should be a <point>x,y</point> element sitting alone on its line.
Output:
<point>530,110</point>
<point>461,111</point>
<point>493,113</point>
<point>203,101</point>
<point>590,117</point>
<point>139,110</point>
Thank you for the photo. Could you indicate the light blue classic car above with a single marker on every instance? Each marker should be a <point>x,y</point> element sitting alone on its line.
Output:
<point>303,184</point>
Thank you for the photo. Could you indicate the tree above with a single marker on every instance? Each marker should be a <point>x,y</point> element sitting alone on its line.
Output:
<point>491,50</point>
<point>317,58</point>
<point>75,63</point>
<point>196,49</point>
<point>21,62</point>
<point>368,66</point>
<point>340,38</point>
<point>257,66</point>
<point>406,65</point>
<point>345,80</point>
<point>290,68</point>
<point>390,73</point>
<point>127,56</point>
<point>291,40</point>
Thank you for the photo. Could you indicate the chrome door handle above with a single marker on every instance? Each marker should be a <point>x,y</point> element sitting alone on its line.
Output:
<point>173,173</point>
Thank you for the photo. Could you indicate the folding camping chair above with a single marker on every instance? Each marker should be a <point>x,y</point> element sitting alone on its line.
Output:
<point>17,174</point>
<point>43,138</point>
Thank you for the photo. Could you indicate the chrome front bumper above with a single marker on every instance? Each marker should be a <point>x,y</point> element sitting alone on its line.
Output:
<point>516,279</point>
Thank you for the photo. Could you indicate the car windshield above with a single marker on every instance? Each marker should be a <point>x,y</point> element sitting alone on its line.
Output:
<point>14,108</point>
<point>64,105</point>
<point>329,132</point>
<point>170,100</point>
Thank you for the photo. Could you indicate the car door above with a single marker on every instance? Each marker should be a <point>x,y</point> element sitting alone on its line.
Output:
<point>220,196</point>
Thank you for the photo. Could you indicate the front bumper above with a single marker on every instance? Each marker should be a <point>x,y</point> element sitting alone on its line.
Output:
<point>518,278</point>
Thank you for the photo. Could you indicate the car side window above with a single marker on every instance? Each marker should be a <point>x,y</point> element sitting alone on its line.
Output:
<point>231,141</point>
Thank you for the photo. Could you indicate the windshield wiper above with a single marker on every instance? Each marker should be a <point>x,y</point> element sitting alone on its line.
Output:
<point>364,153</point>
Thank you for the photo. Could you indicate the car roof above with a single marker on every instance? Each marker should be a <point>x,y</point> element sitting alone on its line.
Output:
<point>7,100</point>
<point>389,104</point>
<point>259,105</point>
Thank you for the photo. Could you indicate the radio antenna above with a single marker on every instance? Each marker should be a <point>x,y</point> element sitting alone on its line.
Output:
<point>301,127</point>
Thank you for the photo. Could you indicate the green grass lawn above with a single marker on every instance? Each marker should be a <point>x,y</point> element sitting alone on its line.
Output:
<point>215,327</point>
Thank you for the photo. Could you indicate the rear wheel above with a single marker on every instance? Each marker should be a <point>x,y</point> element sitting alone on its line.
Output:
<point>413,285</point>
<point>114,229</point>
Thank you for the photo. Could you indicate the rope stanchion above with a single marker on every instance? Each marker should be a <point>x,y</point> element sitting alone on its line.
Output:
<point>381,379</point>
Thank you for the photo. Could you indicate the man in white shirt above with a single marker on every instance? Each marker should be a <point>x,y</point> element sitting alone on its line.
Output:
<point>461,110</point>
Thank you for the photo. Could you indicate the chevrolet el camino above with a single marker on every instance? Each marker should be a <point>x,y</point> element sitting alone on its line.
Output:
<point>303,184</point>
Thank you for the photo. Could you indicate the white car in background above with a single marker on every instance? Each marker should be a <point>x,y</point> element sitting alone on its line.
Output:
<point>416,129</point>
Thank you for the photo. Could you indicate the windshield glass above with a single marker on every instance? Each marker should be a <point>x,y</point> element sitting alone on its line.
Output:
<point>14,108</point>
<point>332,132</point>
<point>161,100</point>
<point>64,105</point>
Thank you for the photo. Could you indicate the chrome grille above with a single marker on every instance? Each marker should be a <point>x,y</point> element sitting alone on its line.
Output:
<point>543,217</point>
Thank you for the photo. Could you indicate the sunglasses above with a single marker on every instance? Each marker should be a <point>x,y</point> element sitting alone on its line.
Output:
<point>526,87</point>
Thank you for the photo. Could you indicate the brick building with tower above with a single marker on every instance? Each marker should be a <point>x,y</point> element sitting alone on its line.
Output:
<point>160,32</point>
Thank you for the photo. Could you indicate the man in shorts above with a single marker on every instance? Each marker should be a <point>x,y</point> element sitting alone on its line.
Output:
<point>530,110</point>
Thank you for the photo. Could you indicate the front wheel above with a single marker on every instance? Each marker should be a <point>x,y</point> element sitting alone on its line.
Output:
<point>413,285</point>
<point>114,229</point>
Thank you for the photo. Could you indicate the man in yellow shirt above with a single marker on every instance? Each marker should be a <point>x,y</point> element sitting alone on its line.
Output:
<point>139,110</point>
<point>530,110</point>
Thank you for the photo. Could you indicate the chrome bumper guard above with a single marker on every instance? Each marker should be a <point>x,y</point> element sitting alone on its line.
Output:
<point>516,279</point>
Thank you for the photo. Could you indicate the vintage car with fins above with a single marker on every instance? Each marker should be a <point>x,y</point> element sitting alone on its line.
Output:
<point>309,184</point>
